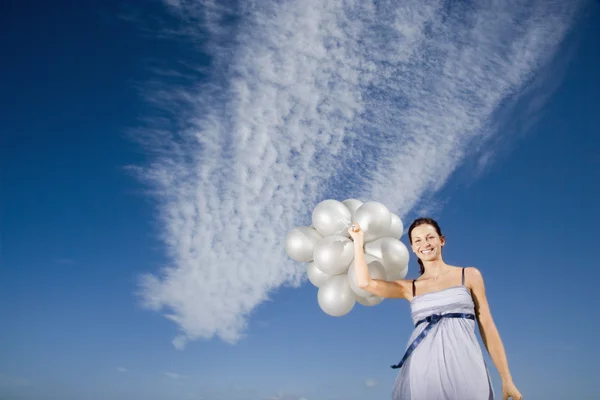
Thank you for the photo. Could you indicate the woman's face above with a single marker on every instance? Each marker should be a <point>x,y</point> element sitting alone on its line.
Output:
<point>426,243</point>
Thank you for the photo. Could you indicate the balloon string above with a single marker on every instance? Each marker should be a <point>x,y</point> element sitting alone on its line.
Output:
<point>346,222</point>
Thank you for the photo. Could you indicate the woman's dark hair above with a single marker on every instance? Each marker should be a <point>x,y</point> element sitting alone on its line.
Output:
<point>423,221</point>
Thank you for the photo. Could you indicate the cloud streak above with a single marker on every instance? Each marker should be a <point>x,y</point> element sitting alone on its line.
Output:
<point>370,382</point>
<point>284,396</point>
<point>308,100</point>
<point>173,375</point>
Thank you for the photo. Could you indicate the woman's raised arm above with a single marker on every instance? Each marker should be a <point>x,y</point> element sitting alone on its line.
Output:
<point>378,287</point>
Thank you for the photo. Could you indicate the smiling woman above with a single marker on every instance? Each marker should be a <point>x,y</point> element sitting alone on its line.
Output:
<point>443,360</point>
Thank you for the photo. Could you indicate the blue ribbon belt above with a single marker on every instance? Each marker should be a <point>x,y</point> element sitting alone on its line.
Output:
<point>432,320</point>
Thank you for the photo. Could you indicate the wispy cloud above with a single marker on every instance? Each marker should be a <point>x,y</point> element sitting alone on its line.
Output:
<point>308,100</point>
<point>530,103</point>
<point>284,396</point>
<point>370,382</point>
<point>122,369</point>
<point>173,375</point>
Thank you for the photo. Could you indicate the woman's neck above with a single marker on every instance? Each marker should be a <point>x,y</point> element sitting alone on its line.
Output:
<point>434,268</point>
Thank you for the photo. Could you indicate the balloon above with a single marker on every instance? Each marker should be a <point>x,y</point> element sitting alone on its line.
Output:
<point>333,254</point>
<point>397,274</point>
<point>369,301</point>
<point>332,217</point>
<point>300,243</point>
<point>327,249</point>
<point>396,227</point>
<point>352,205</point>
<point>393,255</point>
<point>376,271</point>
<point>374,219</point>
<point>315,275</point>
<point>335,296</point>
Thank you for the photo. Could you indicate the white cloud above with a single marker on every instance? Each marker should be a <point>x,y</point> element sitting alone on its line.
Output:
<point>173,375</point>
<point>122,369</point>
<point>370,382</point>
<point>375,102</point>
<point>283,396</point>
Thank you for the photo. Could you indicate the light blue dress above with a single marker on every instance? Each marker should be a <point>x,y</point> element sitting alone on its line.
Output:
<point>447,363</point>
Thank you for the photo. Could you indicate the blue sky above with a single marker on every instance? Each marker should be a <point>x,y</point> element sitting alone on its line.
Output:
<point>139,136</point>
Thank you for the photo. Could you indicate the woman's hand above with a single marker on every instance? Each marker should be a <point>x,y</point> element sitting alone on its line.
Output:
<point>356,233</point>
<point>509,390</point>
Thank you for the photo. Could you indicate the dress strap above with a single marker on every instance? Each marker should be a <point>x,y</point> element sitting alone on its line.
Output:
<point>463,276</point>
<point>414,288</point>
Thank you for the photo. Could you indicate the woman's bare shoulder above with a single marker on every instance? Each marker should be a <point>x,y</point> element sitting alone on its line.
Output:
<point>473,276</point>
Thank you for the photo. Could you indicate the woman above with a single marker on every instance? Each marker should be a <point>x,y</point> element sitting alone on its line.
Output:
<point>443,360</point>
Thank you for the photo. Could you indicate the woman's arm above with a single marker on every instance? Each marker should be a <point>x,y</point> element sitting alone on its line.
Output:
<point>387,289</point>
<point>489,332</point>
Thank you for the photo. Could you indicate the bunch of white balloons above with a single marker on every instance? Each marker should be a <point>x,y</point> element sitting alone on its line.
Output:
<point>328,249</point>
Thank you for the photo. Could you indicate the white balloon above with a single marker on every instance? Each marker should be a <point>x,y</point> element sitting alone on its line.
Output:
<point>397,274</point>
<point>332,217</point>
<point>376,271</point>
<point>352,205</point>
<point>369,301</point>
<point>393,255</point>
<point>333,254</point>
<point>396,227</point>
<point>300,243</point>
<point>374,219</point>
<point>315,275</point>
<point>335,296</point>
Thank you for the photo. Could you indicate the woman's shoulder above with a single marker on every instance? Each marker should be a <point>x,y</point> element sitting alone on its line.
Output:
<point>472,271</point>
<point>469,269</point>
<point>473,276</point>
